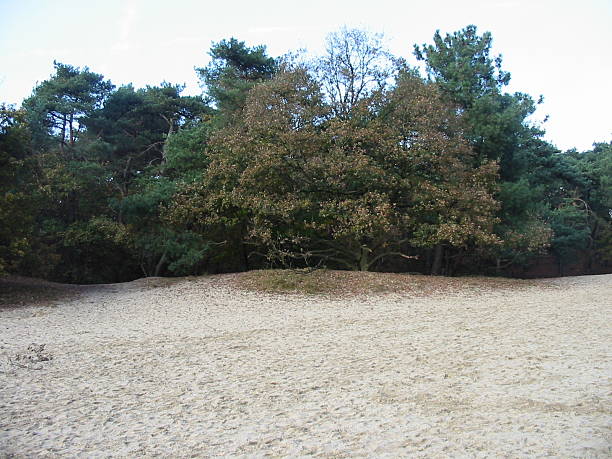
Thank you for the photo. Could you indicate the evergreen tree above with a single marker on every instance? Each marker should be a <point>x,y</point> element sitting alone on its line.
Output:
<point>19,190</point>
<point>235,68</point>
<point>463,66</point>
<point>58,105</point>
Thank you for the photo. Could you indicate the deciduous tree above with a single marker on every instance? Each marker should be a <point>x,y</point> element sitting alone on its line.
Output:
<point>304,184</point>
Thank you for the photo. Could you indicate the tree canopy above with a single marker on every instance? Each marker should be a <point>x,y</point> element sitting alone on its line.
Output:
<point>350,160</point>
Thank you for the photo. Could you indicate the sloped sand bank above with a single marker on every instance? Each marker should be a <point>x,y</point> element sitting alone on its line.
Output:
<point>200,367</point>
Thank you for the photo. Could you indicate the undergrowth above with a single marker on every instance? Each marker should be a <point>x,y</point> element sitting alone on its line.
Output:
<point>362,283</point>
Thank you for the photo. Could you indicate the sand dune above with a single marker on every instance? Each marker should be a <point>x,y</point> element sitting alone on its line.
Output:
<point>200,367</point>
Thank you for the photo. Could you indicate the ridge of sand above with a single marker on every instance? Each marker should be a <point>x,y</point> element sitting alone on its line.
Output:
<point>197,367</point>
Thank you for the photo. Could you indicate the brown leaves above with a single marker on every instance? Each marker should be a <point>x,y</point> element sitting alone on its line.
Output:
<point>397,168</point>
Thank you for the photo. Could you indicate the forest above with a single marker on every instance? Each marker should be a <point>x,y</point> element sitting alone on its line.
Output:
<point>350,160</point>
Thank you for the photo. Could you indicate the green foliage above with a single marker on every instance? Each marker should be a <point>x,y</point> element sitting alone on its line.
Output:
<point>301,184</point>
<point>96,251</point>
<point>131,131</point>
<point>603,243</point>
<point>594,169</point>
<point>234,70</point>
<point>158,244</point>
<point>18,188</point>
<point>571,229</point>
<point>523,226</point>
<point>58,105</point>
<point>497,128</point>
<point>349,160</point>
<point>462,63</point>
<point>591,188</point>
<point>186,155</point>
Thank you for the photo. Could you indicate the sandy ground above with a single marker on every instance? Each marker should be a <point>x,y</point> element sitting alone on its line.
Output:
<point>200,368</point>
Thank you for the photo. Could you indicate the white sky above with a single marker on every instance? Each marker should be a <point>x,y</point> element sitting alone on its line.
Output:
<point>558,48</point>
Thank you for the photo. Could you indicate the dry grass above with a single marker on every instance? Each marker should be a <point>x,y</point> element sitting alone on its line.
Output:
<point>18,291</point>
<point>159,282</point>
<point>348,283</point>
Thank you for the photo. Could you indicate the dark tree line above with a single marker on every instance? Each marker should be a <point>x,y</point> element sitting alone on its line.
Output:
<point>352,160</point>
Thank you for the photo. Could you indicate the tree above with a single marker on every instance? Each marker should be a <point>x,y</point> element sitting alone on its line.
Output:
<point>469,76</point>
<point>58,105</point>
<point>452,199</point>
<point>130,132</point>
<point>595,167</point>
<point>160,247</point>
<point>462,64</point>
<point>112,147</point>
<point>497,128</point>
<point>356,65</point>
<point>590,202</point>
<point>186,155</point>
<point>131,136</point>
<point>18,188</point>
<point>234,70</point>
<point>95,250</point>
<point>301,184</point>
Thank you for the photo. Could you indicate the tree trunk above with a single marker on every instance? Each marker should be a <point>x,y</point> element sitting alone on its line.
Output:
<point>170,131</point>
<point>244,254</point>
<point>363,260</point>
<point>160,264</point>
<point>63,141</point>
<point>437,262</point>
<point>71,130</point>
<point>123,193</point>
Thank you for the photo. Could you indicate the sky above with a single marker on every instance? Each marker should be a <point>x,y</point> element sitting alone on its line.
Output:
<point>556,48</point>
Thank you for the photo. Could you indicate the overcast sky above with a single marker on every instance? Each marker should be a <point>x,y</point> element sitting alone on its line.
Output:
<point>557,48</point>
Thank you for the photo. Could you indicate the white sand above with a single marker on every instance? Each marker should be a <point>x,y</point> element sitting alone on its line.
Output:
<point>200,368</point>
